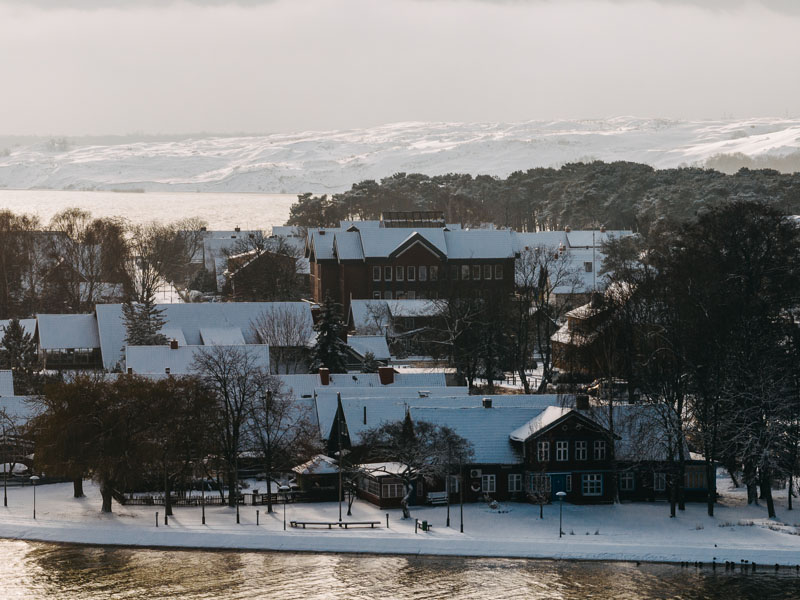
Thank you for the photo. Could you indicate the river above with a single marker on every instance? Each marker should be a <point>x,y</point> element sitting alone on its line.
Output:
<point>37,571</point>
<point>219,210</point>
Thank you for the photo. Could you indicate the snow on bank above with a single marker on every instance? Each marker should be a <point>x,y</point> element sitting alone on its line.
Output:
<point>623,532</point>
<point>330,161</point>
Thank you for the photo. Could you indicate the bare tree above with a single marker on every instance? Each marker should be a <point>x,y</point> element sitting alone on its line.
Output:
<point>287,332</point>
<point>234,377</point>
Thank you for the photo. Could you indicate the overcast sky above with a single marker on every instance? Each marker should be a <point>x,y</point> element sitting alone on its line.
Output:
<point>156,66</point>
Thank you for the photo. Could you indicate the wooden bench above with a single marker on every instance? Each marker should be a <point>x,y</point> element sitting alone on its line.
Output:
<point>437,498</point>
<point>330,524</point>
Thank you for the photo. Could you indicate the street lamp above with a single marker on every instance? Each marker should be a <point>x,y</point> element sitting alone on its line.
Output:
<point>34,479</point>
<point>560,510</point>
<point>203,500</point>
<point>284,489</point>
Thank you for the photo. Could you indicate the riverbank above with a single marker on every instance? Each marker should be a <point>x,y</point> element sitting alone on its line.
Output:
<point>628,532</point>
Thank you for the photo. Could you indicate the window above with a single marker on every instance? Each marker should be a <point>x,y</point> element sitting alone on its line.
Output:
<point>626,481</point>
<point>412,295</point>
<point>488,483</point>
<point>392,490</point>
<point>659,482</point>
<point>423,273</point>
<point>370,486</point>
<point>465,272</point>
<point>434,271</point>
<point>376,295</point>
<point>542,451</point>
<point>453,273</point>
<point>487,271</point>
<point>587,266</point>
<point>562,450</point>
<point>476,272</point>
<point>580,450</point>
<point>539,483</point>
<point>387,295</point>
<point>498,271</point>
<point>398,273</point>
<point>376,273</point>
<point>454,483</point>
<point>694,479</point>
<point>592,485</point>
<point>387,273</point>
<point>599,450</point>
<point>400,295</point>
<point>569,482</point>
<point>515,482</point>
<point>412,273</point>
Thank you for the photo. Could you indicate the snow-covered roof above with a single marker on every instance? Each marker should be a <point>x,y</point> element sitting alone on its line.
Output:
<point>529,240</point>
<point>320,240</point>
<point>318,465</point>
<point>68,331</point>
<point>370,315</point>
<point>222,336</point>
<point>190,318</point>
<point>28,326</point>
<point>6,382</point>
<point>414,308</point>
<point>486,428</point>
<point>381,242</point>
<point>376,344</point>
<point>19,409</point>
<point>306,384</point>
<point>480,244</point>
<point>347,245</point>
<point>545,418</point>
<point>287,231</point>
<point>389,468</point>
<point>147,360</point>
<point>174,333</point>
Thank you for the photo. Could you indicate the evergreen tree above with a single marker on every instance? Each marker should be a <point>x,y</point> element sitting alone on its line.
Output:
<point>329,350</point>
<point>19,355</point>
<point>143,323</point>
<point>370,364</point>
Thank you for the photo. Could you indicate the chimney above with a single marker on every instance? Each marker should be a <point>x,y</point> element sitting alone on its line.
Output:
<point>130,370</point>
<point>237,229</point>
<point>324,376</point>
<point>582,401</point>
<point>386,375</point>
<point>203,228</point>
<point>487,403</point>
<point>173,344</point>
<point>166,370</point>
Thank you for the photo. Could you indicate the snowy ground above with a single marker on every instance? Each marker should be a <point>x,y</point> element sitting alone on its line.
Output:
<point>640,531</point>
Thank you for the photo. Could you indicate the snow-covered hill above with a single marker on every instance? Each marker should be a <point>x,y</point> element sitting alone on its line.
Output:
<point>330,161</point>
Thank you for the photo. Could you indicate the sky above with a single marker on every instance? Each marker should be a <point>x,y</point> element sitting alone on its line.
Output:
<point>95,67</point>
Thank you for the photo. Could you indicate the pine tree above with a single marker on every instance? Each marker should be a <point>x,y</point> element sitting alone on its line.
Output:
<point>329,350</point>
<point>370,364</point>
<point>143,323</point>
<point>19,355</point>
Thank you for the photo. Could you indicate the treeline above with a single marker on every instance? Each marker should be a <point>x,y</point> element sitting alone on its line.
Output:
<point>620,195</point>
<point>75,261</point>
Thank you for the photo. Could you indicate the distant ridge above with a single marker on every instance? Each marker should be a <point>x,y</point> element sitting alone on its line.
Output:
<point>330,161</point>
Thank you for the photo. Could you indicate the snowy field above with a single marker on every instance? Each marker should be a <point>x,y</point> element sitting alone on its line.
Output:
<point>641,531</point>
<point>330,161</point>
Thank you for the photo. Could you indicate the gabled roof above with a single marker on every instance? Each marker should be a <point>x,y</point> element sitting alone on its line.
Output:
<point>416,238</point>
<point>318,465</point>
<point>546,420</point>
<point>146,360</point>
<point>190,318</point>
<point>222,336</point>
<point>306,384</point>
<point>347,245</point>
<point>381,242</point>
<point>480,244</point>
<point>68,331</point>
<point>376,344</point>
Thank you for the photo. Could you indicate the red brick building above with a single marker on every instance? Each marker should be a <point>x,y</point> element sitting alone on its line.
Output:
<point>378,260</point>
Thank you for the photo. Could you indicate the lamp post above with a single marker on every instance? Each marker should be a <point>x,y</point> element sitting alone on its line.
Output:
<point>5,468</point>
<point>284,489</point>
<point>560,511</point>
<point>34,479</point>
<point>203,500</point>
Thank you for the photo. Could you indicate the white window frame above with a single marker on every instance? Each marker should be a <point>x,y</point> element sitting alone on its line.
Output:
<point>599,450</point>
<point>387,273</point>
<point>592,484</point>
<point>581,450</point>
<point>487,271</point>
<point>659,482</point>
<point>464,272</point>
<point>434,272</point>
<point>387,295</point>
<point>376,273</point>
<point>455,482</point>
<point>627,481</point>
<point>543,451</point>
<point>411,273</point>
<point>498,271</point>
<point>540,483</point>
<point>423,273</point>
<point>412,295</point>
<point>489,483</point>
<point>376,295</point>
<point>515,482</point>
<point>399,273</point>
<point>562,450</point>
<point>476,272</point>
<point>392,490</point>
